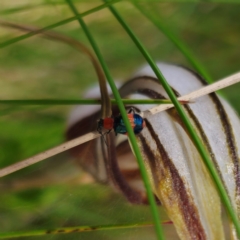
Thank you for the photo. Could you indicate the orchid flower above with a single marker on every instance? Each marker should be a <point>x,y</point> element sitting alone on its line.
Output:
<point>179,179</point>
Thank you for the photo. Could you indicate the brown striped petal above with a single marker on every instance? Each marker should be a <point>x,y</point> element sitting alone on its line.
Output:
<point>179,178</point>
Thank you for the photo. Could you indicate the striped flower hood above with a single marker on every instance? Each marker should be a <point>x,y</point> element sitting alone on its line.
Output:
<point>178,176</point>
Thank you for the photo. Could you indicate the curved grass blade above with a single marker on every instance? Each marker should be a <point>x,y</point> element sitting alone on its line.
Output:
<point>126,121</point>
<point>195,138</point>
<point>60,23</point>
<point>106,110</point>
<point>176,41</point>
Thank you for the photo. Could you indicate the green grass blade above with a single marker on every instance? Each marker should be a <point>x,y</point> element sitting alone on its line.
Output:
<point>80,101</point>
<point>131,135</point>
<point>195,138</point>
<point>68,20</point>
<point>68,230</point>
<point>29,7</point>
<point>20,9</point>
<point>176,41</point>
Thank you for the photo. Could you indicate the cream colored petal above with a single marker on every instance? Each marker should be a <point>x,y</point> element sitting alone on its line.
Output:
<point>219,128</point>
<point>178,176</point>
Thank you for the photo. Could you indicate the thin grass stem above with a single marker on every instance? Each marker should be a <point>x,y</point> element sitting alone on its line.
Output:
<point>233,79</point>
<point>90,136</point>
<point>176,41</point>
<point>19,9</point>
<point>76,229</point>
<point>221,84</point>
<point>29,7</point>
<point>60,23</point>
<point>195,138</point>
<point>79,101</point>
<point>131,135</point>
<point>49,153</point>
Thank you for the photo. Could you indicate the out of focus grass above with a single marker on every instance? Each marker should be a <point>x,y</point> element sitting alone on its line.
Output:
<point>56,192</point>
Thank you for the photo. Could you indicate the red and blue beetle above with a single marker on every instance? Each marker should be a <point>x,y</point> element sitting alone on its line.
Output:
<point>118,125</point>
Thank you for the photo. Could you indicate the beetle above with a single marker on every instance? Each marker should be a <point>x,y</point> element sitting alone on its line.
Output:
<point>118,125</point>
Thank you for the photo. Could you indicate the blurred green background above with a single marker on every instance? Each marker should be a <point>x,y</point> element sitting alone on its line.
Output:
<point>56,192</point>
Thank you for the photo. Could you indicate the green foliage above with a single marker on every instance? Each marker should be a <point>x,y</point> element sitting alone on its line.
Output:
<point>48,195</point>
